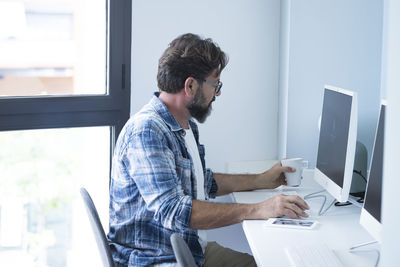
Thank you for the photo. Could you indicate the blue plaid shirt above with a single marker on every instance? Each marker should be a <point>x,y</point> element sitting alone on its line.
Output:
<point>152,187</point>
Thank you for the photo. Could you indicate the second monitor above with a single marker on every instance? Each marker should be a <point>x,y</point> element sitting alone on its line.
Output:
<point>371,212</point>
<point>337,142</point>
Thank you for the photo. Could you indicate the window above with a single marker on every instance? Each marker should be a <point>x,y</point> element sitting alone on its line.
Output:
<point>52,48</point>
<point>64,97</point>
<point>42,219</point>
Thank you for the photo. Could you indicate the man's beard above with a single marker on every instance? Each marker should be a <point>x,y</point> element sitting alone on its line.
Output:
<point>197,109</point>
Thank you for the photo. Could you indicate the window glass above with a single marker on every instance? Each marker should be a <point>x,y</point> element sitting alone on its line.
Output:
<point>42,217</point>
<point>53,47</point>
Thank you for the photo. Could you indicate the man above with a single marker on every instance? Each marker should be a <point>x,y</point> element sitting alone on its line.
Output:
<point>160,184</point>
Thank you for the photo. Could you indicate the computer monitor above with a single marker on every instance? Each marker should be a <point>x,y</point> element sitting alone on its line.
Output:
<point>370,217</point>
<point>337,142</point>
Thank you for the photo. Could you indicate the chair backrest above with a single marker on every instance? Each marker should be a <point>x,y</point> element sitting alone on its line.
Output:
<point>101,240</point>
<point>182,252</point>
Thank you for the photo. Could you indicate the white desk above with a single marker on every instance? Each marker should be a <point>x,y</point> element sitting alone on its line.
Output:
<point>339,229</point>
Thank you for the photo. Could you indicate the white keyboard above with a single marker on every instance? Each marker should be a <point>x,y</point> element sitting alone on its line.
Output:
<point>316,255</point>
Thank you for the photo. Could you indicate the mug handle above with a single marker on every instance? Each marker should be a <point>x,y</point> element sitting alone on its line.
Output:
<point>305,164</point>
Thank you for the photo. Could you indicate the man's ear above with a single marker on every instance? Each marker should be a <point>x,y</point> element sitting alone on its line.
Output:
<point>190,86</point>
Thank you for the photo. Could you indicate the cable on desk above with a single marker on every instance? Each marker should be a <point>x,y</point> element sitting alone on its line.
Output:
<point>342,204</point>
<point>360,196</point>
<point>360,173</point>
<point>316,195</point>
<point>355,249</point>
<point>311,194</point>
<point>363,245</point>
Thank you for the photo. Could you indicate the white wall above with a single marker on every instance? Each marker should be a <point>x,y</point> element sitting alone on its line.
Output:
<point>244,122</point>
<point>391,87</point>
<point>336,43</point>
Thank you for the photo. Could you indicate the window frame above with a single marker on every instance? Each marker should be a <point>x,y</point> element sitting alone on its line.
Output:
<point>112,109</point>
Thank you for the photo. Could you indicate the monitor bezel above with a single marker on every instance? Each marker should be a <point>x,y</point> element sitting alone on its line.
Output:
<point>342,194</point>
<point>371,225</point>
<point>367,220</point>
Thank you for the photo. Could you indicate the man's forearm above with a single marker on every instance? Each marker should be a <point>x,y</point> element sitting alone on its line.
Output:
<point>228,183</point>
<point>209,215</point>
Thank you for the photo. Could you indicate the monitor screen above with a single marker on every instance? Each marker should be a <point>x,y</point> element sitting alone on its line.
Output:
<point>373,195</point>
<point>334,135</point>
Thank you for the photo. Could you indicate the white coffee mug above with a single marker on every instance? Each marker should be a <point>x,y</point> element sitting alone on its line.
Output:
<point>294,178</point>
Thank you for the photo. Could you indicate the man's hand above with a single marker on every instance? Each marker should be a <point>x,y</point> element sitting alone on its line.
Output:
<point>282,205</point>
<point>274,177</point>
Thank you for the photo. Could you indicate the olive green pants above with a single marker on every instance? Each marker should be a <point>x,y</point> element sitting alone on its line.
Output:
<point>218,256</point>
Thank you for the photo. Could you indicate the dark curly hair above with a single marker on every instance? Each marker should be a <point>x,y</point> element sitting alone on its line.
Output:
<point>188,56</point>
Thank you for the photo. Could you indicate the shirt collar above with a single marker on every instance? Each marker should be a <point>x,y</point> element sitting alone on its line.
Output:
<point>164,113</point>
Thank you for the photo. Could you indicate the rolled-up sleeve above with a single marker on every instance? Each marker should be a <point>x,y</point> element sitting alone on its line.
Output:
<point>151,164</point>
<point>212,186</point>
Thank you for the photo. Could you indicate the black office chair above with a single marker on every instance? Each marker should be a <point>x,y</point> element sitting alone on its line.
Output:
<point>101,240</point>
<point>182,252</point>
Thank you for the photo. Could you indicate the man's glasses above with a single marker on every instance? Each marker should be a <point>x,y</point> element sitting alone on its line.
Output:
<point>217,85</point>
